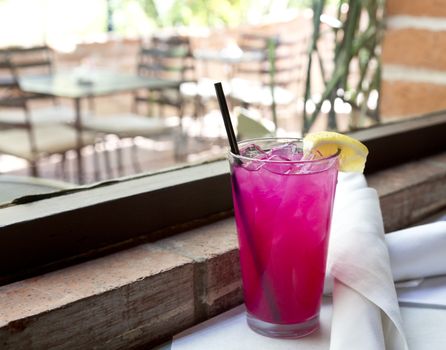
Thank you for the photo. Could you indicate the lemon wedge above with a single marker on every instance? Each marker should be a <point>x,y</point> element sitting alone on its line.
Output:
<point>353,153</point>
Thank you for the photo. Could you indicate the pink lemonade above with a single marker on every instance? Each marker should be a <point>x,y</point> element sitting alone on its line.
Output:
<point>283,211</point>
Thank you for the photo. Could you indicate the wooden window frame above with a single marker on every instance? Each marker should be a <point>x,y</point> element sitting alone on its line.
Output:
<point>42,233</point>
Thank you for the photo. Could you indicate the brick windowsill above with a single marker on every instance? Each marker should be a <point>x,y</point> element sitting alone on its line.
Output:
<point>142,296</point>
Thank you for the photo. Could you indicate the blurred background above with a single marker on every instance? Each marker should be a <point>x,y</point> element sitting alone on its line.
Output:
<point>94,90</point>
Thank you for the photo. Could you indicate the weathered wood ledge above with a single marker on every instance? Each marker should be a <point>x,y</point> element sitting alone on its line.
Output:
<point>141,296</point>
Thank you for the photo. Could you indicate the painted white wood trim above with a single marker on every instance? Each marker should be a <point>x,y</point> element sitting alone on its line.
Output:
<point>416,22</point>
<point>392,72</point>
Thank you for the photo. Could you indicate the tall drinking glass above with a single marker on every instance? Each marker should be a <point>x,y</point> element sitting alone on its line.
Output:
<point>283,203</point>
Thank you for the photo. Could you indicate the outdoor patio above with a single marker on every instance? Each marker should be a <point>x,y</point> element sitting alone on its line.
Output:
<point>215,54</point>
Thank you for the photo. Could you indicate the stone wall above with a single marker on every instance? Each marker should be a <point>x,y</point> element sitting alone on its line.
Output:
<point>121,53</point>
<point>115,53</point>
<point>414,67</point>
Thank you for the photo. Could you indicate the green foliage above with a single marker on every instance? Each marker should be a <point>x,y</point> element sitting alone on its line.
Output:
<point>356,59</point>
<point>299,3</point>
<point>211,13</point>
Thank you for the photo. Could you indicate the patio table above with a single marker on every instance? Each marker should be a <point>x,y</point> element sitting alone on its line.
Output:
<point>74,86</point>
<point>227,57</point>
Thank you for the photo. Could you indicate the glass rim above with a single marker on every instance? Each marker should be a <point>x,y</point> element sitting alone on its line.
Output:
<point>290,139</point>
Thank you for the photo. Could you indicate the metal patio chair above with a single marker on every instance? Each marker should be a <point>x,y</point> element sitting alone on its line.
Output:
<point>23,138</point>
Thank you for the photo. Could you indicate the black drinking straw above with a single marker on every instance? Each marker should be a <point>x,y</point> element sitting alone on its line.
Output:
<point>226,118</point>
<point>234,149</point>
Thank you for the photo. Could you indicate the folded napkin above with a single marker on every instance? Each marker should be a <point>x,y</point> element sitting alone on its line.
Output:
<point>418,252</point>
<point>365,308</point>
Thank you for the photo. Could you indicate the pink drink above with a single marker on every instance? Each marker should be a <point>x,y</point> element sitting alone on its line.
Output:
<point>283,211</point>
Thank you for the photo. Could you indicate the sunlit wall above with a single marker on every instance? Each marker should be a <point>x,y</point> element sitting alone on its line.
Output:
<point>64,23</point>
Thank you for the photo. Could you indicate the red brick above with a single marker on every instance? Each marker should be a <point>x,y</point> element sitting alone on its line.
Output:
<point>409,99</point>
<point>434,8</point>
<point>415,48</point>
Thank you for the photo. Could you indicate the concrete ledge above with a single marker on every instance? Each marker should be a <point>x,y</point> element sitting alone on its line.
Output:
<point>121,300</point>
<point>141,296</point>
<point>411,192</point>
<point>133,298</point>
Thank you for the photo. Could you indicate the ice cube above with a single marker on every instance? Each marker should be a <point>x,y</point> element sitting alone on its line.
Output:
<point>253,151</point>
<point>256,153</point>
<point>288,151</point>
<point>311,164</point>
<point>278,165</point>
<point>252,165</point>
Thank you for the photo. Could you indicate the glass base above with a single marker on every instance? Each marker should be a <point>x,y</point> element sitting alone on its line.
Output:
<point>295,330</point>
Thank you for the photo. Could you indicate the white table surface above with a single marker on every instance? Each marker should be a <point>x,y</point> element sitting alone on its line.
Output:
<point>425,329</point>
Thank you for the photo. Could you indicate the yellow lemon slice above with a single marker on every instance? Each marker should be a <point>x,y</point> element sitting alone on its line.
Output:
<point>353,153</point>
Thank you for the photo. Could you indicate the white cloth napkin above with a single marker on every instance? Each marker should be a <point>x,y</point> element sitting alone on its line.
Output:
<point>366,314</point>
<point>418,252</point>
<point>415,253</point>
